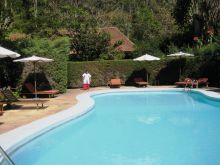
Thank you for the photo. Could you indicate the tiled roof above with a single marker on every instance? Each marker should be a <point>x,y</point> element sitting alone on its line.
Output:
<point>117,35</point>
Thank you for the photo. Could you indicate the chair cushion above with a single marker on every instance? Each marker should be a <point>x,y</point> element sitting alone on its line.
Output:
<point>115,82</point>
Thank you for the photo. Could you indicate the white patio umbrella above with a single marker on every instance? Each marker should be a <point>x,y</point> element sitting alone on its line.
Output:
<point>146,57</point>
<point>180,55</point>
<point>34,59</point>
<point>8,53</point>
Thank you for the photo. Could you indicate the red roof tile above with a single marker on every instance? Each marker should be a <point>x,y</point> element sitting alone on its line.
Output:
<point>117,35</point>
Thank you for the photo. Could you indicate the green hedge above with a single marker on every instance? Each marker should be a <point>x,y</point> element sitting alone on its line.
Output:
<point>127,70</point>
<point>163,72</point>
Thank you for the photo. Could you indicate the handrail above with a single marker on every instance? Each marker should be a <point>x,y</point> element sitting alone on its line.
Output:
<point>188,84</point>
<point>5,157</point>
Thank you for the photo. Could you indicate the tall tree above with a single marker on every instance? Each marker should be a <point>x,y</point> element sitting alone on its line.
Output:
<point>88,44</point>
<point>200,14</point>
<point>5,18</point>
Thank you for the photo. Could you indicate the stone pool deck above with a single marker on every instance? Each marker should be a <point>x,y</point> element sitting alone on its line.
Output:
<point>19,115</point>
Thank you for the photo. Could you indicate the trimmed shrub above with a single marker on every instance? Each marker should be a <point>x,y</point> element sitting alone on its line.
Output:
<point>163,72</point>
<point>127,70</point>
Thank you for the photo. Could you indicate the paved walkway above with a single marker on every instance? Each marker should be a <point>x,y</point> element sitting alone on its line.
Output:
<point>19,115</point>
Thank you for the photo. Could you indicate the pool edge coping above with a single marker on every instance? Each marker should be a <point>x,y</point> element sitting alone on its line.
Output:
<point>15,138</point>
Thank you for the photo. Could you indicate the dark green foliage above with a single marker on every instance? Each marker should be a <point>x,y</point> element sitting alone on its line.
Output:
<point>147,32</point>
<point>140,20</point>
<point>197,17</point>
<point>149,24</point>
<point>217,40</point>
<point>181,12</point>
<point>5,19</point>
<point>204,66</point>
<point>9,73</point>
<point>145,26</point>
<point>46,18</point>
<point>58,50</point>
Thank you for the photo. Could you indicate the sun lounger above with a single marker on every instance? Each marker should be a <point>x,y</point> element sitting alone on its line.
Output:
<point>50,93</point>
<point>203,81</point>
<point>187,82</point>
<point>140,82</point>
<point>115,83</point>
<point>9,98</point>
<point>190,82</point>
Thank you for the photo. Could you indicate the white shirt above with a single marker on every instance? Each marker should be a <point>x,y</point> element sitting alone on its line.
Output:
<point>86,78</point>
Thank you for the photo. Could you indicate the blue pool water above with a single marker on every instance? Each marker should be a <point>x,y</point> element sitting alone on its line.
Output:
<point>137,128</point>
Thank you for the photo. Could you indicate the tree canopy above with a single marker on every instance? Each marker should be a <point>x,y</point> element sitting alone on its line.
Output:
<point>155,26</point>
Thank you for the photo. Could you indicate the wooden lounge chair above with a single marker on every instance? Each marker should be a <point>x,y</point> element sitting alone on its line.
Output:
<point>9,98</point>
<point>202,81</point>
<point>187,81</point>
<point>50,93</point>
<point>190,82</point>
<point>115,83</point>
<point>140,82</point>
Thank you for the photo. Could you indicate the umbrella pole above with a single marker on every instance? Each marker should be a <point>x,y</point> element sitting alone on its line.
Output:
<point>147,77</point>
<point>35,81</point>
<point>180,68</point>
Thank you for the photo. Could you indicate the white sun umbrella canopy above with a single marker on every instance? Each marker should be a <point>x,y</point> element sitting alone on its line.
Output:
<point>180,54</point>
<point>34,59</point>
<point>146,57</point>
<point>8,53</point>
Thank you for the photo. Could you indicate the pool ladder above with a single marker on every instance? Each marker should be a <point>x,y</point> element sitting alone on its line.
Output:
<point>4,158</point>
<point>188,86</point>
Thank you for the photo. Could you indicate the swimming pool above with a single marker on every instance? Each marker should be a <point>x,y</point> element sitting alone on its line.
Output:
<point>156,127</point>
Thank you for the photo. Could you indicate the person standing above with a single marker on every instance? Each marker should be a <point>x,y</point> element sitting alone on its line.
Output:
<point>86,80</point>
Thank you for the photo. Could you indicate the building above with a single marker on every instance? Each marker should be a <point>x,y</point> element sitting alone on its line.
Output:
<point>116,35</point>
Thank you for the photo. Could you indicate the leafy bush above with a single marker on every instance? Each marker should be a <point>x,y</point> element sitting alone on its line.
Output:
<point>88,44</point>
<point>207,50</point>
<point>204,66</point>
